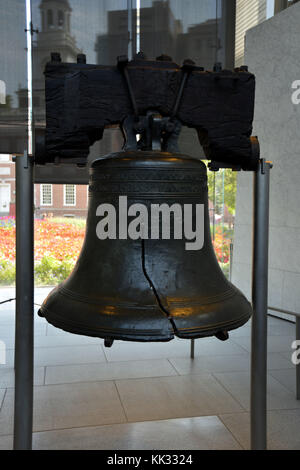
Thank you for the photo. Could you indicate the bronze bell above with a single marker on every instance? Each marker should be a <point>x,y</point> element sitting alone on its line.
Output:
<point>151,288</point>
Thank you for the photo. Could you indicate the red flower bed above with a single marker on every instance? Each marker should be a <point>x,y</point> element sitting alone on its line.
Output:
<point>64,240</point>
<point>58,240</point>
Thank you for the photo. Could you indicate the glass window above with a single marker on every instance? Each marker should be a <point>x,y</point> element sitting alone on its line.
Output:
<point>185,30</point>
<point>50,18</point>
<point>248,15</point>
<point>89,28</point>
<point>13,77</point>
<point>222,193</point>
<point>61,18</point>
<point>46,194</point>
<point>69,195</point>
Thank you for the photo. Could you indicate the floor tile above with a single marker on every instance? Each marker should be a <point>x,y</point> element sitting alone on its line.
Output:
<point>275,343</point>
<point>68,406</point>
<point>284,328</point>
<point>43,341</point>
<point>63,355</point>
<point>200,364</point>
<point>275,362</point>
<point>7,377</point>
<point>122,351</point>
<point>212,346</point>
<point>174,397</point>
<point>8,331</point>
<point>275,328</point>
<point>6,442</point>
<point>9,360</point>
<point>272,320</point>
<point>236,363</point>
<point>2,394</point>
<point>283,429</point>
<point>288,355</point>
<point>53,331</point>
<point>243,331</point>
<point>286,377</point>
<point>177,348</point>
<point>78,406</point>
<point>205,433</point>
<point>238,384</point>
<point>7,316</point>
<point>109,371</point>
<point>67,339</point>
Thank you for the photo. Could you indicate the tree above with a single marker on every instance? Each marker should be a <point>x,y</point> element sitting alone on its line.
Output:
<point>223,183</point>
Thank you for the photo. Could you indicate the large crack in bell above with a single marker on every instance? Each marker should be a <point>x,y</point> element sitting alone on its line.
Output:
<point>152,287</point>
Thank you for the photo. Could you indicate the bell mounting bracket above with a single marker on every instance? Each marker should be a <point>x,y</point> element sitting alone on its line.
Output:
<point>155,131</point>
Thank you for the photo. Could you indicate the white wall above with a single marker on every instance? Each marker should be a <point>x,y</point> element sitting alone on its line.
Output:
<point>273,55</point>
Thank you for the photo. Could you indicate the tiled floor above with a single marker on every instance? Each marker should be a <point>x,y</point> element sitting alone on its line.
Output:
<point>148,396</point>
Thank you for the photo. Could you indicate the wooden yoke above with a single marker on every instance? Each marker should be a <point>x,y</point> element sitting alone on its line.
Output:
<point>83,99</point>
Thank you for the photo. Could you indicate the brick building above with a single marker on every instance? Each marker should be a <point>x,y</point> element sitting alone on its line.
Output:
<point>60,200</point>
<point>7,185</point>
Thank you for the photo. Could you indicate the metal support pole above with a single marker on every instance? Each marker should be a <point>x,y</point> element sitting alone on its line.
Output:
<point>260,307</point>
<point>130,31</point>
<point>298,366</point>
<point>192,349</point>
<point>230,261</point>
<point>24,305</point>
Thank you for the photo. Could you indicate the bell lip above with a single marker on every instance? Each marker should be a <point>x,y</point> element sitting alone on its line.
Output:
<point>145,157</point>
<point>204,332</point>
<point>96,325</point>
<point>141,336</point>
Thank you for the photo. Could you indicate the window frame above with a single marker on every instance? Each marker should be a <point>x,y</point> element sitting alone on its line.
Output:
<point>65,194</point>
<point>42,195</point>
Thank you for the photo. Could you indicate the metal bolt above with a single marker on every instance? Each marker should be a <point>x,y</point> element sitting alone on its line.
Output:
<point>81,59</point>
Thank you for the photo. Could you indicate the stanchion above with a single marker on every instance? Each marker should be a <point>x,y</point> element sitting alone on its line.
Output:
<point>24,305</point>
<point>192,349</point>
<point>260,307</point>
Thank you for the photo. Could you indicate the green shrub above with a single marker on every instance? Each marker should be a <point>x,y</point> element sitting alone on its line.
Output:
<point>50,271</point>
<point>226,269</point>
<point>7,272</point>
<point>47,271</point>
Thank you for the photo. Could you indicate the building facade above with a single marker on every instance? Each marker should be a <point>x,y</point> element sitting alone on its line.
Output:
<point>248,15</point>
<point>55,200</point>
<point>61,200</point>
<point>7,185</point>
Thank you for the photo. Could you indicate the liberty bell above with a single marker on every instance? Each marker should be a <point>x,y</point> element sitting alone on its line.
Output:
<point>147,270</point>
